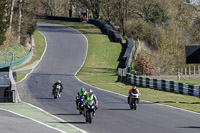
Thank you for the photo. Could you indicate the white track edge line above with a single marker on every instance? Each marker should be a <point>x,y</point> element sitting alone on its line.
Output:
<point>33,120</point>
<point>55,117</point>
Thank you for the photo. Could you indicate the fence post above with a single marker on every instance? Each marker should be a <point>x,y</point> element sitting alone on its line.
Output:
<point>185,70</point>
<point>189,71</point>
<point>198,69</point>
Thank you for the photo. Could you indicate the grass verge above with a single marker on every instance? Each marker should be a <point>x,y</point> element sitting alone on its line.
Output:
<point>34,113</point>
<point>38,50</point>
<point>18,51</point>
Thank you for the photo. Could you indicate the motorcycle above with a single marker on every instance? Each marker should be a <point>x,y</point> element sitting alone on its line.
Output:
<point>89,111</point>
<point>80,104</point>
<point>134,100</point>
<point>56,91</point>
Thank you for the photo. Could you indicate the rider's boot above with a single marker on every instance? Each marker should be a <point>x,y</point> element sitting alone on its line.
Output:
<point>77,105</point>
<point>93,114</point>
<point>138,100</point>
<point>128,99</point>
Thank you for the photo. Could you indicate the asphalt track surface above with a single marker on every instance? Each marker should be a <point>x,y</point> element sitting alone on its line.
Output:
<point>65,53</point>
<point>13,123</point>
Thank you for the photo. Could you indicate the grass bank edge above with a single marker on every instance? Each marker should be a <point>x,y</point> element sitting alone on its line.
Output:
<point>38,51</point>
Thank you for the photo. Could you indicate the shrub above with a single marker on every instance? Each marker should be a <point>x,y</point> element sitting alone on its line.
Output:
<point>145,65</point>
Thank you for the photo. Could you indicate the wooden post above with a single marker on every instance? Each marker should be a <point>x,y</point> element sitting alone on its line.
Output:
<point>178,75</point>
<point>185,70</point>
<point>198,69</point>
<point>189,71</point>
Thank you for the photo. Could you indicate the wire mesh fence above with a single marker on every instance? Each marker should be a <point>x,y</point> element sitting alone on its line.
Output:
<point>6,59</point>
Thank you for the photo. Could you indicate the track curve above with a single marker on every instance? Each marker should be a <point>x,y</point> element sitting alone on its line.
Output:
<point>66,51</point>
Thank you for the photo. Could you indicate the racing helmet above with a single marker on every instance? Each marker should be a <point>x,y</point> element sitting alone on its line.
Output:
<point>82,90</point>
<point>134,87</point>
<point>90,92</point>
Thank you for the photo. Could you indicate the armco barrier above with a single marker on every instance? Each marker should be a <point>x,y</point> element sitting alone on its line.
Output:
<point>103,25</point>
<point>129,52</point>
<point>165,85</point>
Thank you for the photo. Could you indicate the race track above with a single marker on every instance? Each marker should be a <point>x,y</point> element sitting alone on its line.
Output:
<point>65,53</point>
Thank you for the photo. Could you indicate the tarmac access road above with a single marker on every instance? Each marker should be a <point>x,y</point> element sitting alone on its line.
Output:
<point>14,123</point>
<point>65,53</point>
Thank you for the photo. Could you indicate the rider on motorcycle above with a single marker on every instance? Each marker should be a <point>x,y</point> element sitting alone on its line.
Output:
<point>134,90</point>
<point>55,84</point>
<point>82,92</point>
<point>91,97</point>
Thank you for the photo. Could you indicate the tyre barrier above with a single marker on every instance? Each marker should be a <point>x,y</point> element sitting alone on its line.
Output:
<point>165,85</point>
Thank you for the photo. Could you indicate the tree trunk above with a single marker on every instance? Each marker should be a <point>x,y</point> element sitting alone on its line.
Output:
<point>11,14</point>
<point>19,21</point>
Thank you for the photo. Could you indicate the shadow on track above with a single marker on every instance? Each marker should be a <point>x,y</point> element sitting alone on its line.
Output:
<point>67,114</point>
<point>44,98</point>
<point>190,127</point>
<point>70,122</point>
<point>116,109</point>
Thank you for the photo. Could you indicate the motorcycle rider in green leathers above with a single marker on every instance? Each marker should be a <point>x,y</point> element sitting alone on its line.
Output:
<point>92,97</point>
<point>82,92</point>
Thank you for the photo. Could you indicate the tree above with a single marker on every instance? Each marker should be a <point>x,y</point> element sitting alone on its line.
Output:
<point>56,7</point>
<point>19,21</point>
<point>11,14</point>
<point>93,5</point>
<point>3,20</point>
